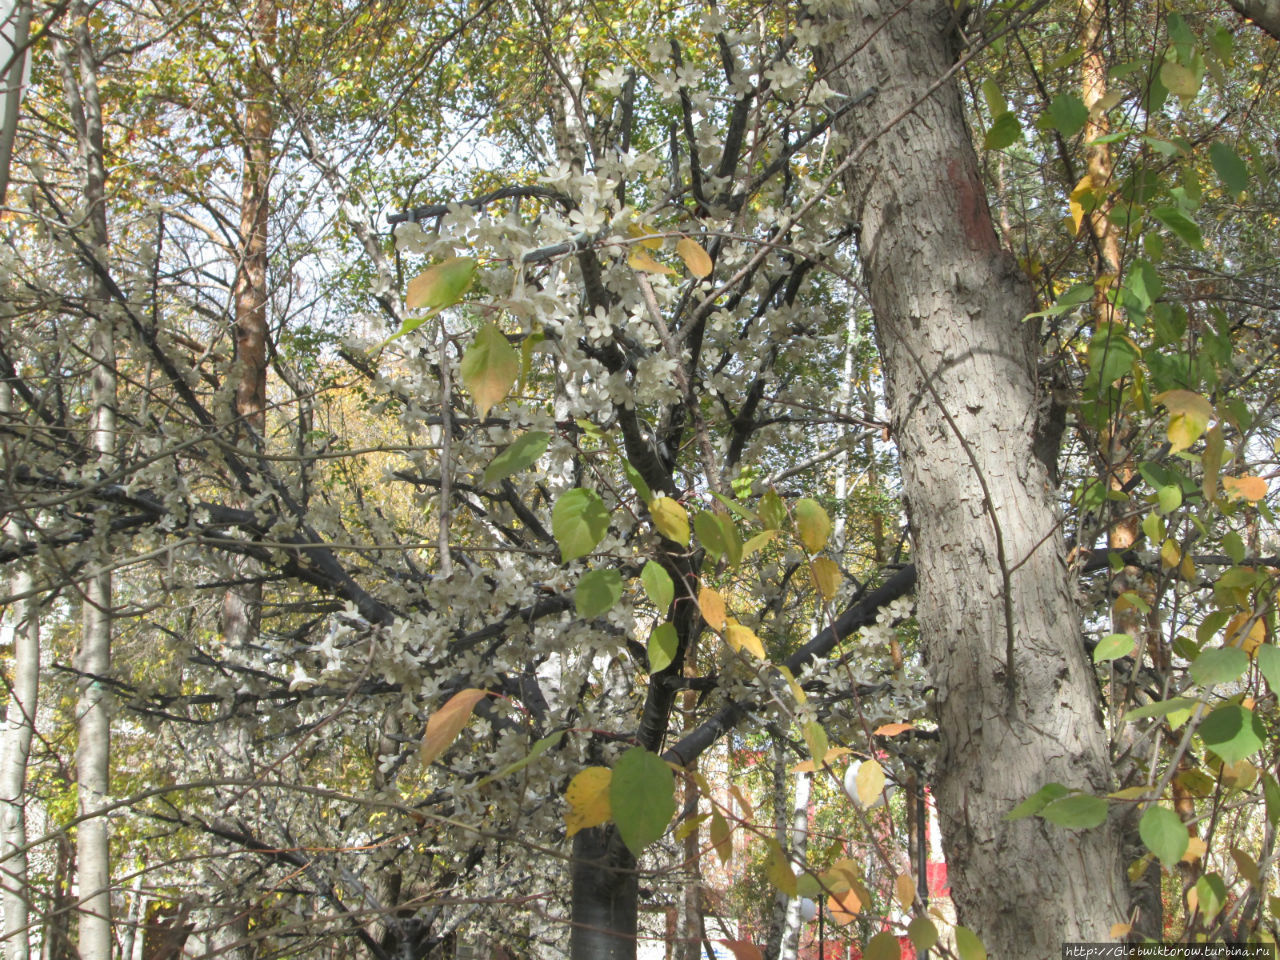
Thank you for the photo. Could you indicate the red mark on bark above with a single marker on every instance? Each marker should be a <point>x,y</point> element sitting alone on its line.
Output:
<point>971,206</point>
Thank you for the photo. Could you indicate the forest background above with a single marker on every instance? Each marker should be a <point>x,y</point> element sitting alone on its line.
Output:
<point>473,470</point>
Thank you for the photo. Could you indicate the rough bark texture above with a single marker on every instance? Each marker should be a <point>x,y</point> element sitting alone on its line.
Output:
<point>1265,13</point>
<point>960,368</point>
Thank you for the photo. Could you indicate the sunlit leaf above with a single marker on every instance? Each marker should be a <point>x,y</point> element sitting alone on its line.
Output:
<point>1189,416</point>
<point>663,644</point>
<point>778,869</point>
<point>588,799</point>
<point>812,524</point>
<point>447,722</point>
<point>816,739</point>
<point>744,638</point>
<point>712,606</point>
<point>670,519</point>
<point>440,285</point>
<point>1112,646</point>
<point>904,888</point>
<point>1222,665</point>
<point>579,522</point>
<point>489,368</point>
<point>869,782</point>
<point>923,934</point>
<point>694,257</point>
<point>640,260</point>
<point>1252,489</point>
<point>892,729</point>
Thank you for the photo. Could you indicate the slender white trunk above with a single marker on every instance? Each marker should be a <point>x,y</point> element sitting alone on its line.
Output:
<point>79,68</point>
<point>799,852</point>
<point>19,727</point>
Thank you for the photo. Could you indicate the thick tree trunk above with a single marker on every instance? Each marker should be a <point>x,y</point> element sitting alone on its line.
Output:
<point>604,897</point>
<point>1017,701</point>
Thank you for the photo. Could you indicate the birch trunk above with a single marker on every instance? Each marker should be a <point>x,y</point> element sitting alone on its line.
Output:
<point>79,68</point>
<point>1016,699</point>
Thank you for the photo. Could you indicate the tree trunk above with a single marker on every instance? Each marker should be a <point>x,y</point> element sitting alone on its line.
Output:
<point>604,897</point>
<point>790,946</point>
<point>79,69</point>
<point>1016,699</point>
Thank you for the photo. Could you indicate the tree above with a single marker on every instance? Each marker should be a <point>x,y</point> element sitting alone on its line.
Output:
<point>573,517</point>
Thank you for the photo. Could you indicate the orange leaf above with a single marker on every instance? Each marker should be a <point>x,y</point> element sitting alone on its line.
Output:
<point>1252,489</point>
<point>743,949</point>
<point>694,257</point>
<point>447,722</point>
<point>893,729</point>
<point>844,907</point>
<point>640,260</point>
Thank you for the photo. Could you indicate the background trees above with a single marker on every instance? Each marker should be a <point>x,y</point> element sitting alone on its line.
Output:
<point>606,495</point>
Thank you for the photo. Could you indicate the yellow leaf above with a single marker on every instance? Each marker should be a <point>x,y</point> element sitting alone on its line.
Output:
<point>905,889</point>
<point>829,758</point>
<point>778,870</point>
<point>797,691</point>
<point>748,812</point>
<point>892,729</point>
<point>644,235</point>
<point>1189,416</point>
<point>694,257</point>
<point>1170,554</point>
<point>440,285</point>
<point>1195,850</point>
<point>1252,489</point>
<point>1120,930</point>
<point>1211,461</point>
<point>640,260</point>
<point>670,519</point>
<point>588,798</point>
<point>812,524</point>
<point>1187,569</point>
<point>870,782</point>
<point>744,638</point>
<point>827,576</point>
<point>1256,636</point>
<point>1082,189</point>
<point>447,722</point>
<point>712,606</point>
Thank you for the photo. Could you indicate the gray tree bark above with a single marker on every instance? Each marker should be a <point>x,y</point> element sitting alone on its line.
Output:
<point>1017,702</point>
<point>79,67</point>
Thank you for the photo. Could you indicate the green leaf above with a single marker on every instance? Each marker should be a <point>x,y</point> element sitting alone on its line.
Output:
<point>537,750</point>
<point>522,453</point>
<point>1112,646</point>
<point>1269,664</point>
<point>1180,80</point>
<point>1067,114</point>
<point>710,535</point>
<point>923,934</point>
<point>816,739</point>
<point>732,539</point>
<point>883,946</point>
<point>1219,666</point>
<point>1004,132</point>
<point>1144,283</point>
<point>969,945</point>
<point>1169,498</point>
<point>1160,708</point>
<point>812,524</point>
<point>670,519</point>
<point>579,521</point>
<point>1233,546</point>
<point>642,795</point>
<point>1182,226</point>
<point>658,585</point>
<point>1233,733</point>
<point>663,644</point>
<point>772,511</point>
<point>1165,834</point>
<point>637,481</point>
<point>1111,356</point>
<point>1229,167</point>
<point>1037,801</point>
<point>1211,894</point>
<point>489,368</point>
<point>1078,812</point>
<point>745,512</point>
<point>1271,797</point>
<point>996,103</point>
<point>597,592</point>
<point>721,836</point>
<point>778,869</point>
